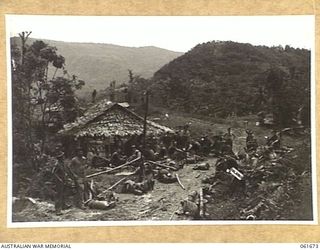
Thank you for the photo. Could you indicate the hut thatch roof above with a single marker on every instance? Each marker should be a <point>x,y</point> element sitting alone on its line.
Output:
<point>106,119</point>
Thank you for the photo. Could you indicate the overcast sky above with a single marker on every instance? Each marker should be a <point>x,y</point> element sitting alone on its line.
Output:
<point>172,32</point>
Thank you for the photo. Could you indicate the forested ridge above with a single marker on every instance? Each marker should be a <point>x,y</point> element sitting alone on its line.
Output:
<point>224,78</point>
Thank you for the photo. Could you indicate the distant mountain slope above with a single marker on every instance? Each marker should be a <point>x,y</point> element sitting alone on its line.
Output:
<point>99,64</point>
<point>221,78</point>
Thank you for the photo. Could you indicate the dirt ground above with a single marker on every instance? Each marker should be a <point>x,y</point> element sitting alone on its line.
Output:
<point>158,204</point>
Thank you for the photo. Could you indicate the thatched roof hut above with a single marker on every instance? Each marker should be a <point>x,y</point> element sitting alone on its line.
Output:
<point>106,119</point>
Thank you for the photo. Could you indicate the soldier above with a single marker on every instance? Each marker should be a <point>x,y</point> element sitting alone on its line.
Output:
<point>229,137</point>
<point>162,151</point>
<point>165,176</point>
<point>166,140</point>
<point>194,146</point>
<point>117,158</point>
<point>136,153</point>
<point>90,155</point>
<point>172,149</point>
<point>186,136</point>
<point>205,144</point>
<point>178,138</point>
<point>60,173</point>
<point>78,167</point>
<point>251,142</point>
<point>217,145</point>
<point>225,163</point>
<point>274,141</point>
<point>149,153</point>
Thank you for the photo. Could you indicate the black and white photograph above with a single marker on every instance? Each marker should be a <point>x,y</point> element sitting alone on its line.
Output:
<point>129,120</point>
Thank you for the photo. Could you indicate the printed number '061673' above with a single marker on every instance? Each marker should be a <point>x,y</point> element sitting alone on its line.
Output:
<point>305,246</point>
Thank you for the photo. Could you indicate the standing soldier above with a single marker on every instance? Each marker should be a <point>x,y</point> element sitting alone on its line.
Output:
<point>186,135</point>
<point>229,137</point>
<point>78,167</point>
<point>140,169</point>
<point>94,95</point>
<point>228,142</point>
<point>60,173</point>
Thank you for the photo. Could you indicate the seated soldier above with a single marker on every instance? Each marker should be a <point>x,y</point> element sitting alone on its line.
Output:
<point>117,158</point>
<point>205,144</point>
<point>194,147</point>
<point>274,141</point>
<point>149,153</point>
<point>189,208</point>
<point>172,149</point>
<point>131,187</point>
<point>217,145</point>
<point>249,135</point>
<point>185,136</point>
<point>166,176</point>
<point>251,142</point>
<point>90,155</point>
<point>252,145</point>
<point>227,149</point>
<point>178,138</point>
<point>225,163</point>
<point>138,188</point>
<point>162,153</point>
<point>136,153</point>
<point>166,139</point>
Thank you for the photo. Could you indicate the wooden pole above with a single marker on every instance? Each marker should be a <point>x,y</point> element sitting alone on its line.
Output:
<point>116,184</point>
<point>178,179</point>
<point>201,206</point>
<point>145,120</point>
<point>174,212</point>
<point>111,170</point>
<point>111,187</point>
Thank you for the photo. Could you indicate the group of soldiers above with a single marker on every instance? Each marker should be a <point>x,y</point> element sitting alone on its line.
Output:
<point>170,146</point>
<point>76,171</point>
<point>227,165</point>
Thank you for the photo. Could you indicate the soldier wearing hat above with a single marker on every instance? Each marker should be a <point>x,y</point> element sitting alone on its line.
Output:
<point>60,173</point>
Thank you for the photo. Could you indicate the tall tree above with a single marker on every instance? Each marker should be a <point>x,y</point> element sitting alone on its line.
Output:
<point>38,95</point>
